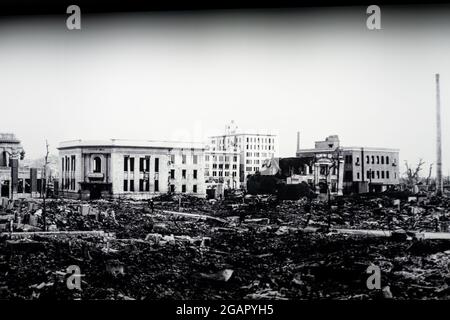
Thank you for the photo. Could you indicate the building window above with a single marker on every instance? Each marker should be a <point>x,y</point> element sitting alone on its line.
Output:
<point>172,174</point>
<point>214,165</point>
<point>207,158</point>
<point>378,159</point>
<point>131,165</point>
<point>172,158</point>
<point>235,158</point>
<point>73,163</point>
<point>156,164</point>
<point>373,174</point>
<point>382,174</point>
<point>183,173</point>
<point>387,159</point>
<point>220,166</point>
<point>214,173</point>
<point>195,174</point>
<point>141,185</point>
<point>156,185</point>
<point>62,164</point>
<point>194,159</point>
<point>357,175</point>
<point>141,164</point>
<point>97,164</point>
<point>132,185</point>
<point>125,163</point>
<point>373,159</point>
<point>367,160</point>
<point>172,188</point>
<point>183,159</point>
<point>125,185</point>
<point>378,174</point>
<point>234,174</point>
<point>382,159</point>
<point>368,174</point>
<point>220,173</point>
<point>387,174</point>
<point>183,188</point>
<point>194,188</point>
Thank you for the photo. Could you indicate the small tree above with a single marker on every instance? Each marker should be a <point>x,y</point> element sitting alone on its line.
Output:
<point>412,174</point>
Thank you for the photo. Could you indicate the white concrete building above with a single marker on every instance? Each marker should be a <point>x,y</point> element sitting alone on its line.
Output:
<point>127,168</point>
<point>222,170</point>
<point>254,148</point>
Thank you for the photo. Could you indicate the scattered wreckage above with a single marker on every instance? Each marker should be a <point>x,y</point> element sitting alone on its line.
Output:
<point>192,248</point>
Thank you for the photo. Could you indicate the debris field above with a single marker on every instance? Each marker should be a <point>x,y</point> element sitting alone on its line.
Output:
<point>249,248</point>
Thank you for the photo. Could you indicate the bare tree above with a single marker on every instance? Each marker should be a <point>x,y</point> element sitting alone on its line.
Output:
<point>412,174</point>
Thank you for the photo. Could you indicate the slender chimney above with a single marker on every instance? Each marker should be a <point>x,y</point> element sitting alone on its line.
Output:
<point>298,141</point>
<point>439,184</point>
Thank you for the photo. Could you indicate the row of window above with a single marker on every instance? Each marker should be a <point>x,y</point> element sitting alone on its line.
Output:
<point>221,166</point>
<point>221,173</point>
<point>184,159</point>
<point>68,184</point>
<point>249,169</point>
<point>144,164</point>
<point>259,147</point>
<point>144,185</point>
<point>372,174</point>
<point>221,158</point>
<point>370,159</point>
<point>258,154</point>
<point>183,188</point>
<point>68,163</point>
<point>183,174</point>
<point>252,161</point>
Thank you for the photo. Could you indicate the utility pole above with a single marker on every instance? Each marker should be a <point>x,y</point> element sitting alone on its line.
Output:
<point>44,211</point>
<point>439,184</point>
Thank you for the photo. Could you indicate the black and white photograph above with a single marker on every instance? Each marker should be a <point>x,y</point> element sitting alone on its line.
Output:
<point>254,155</point>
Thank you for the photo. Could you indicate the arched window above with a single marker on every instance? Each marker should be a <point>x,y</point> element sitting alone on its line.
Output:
<point>97,164</point>
<point>387,159</point>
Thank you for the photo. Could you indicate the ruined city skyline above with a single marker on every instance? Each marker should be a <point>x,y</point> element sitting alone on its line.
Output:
<point>184,77</point>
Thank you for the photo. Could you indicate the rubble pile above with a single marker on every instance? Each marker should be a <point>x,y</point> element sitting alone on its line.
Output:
<point>199,249</point>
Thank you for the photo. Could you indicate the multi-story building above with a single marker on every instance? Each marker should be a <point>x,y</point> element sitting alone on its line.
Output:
<point>222,170</point>
<point>254,148</point>
<point>364,169</point>
<point>16,180</point>
<point>324,169</point>
<point>135,169</point>
<point>370,169</point>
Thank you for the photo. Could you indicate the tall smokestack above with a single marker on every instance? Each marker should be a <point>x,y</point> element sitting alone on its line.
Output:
<point>298,141</point>
<point>439,184</point>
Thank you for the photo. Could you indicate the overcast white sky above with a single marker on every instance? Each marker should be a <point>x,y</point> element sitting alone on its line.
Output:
<point>173,76</point>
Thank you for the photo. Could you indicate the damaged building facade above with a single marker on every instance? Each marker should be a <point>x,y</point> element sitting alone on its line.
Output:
<point>131,169</point>
<point>254,148</point>
<point>330,168</point>
<point>364,169</point>
<point>221,171</point>
<point>16,180</point>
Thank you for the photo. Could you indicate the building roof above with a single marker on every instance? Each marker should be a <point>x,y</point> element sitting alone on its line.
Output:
<point>8,138</point>
<point>369,149</point>
<point>243,134</point>
<point>130,144</point>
